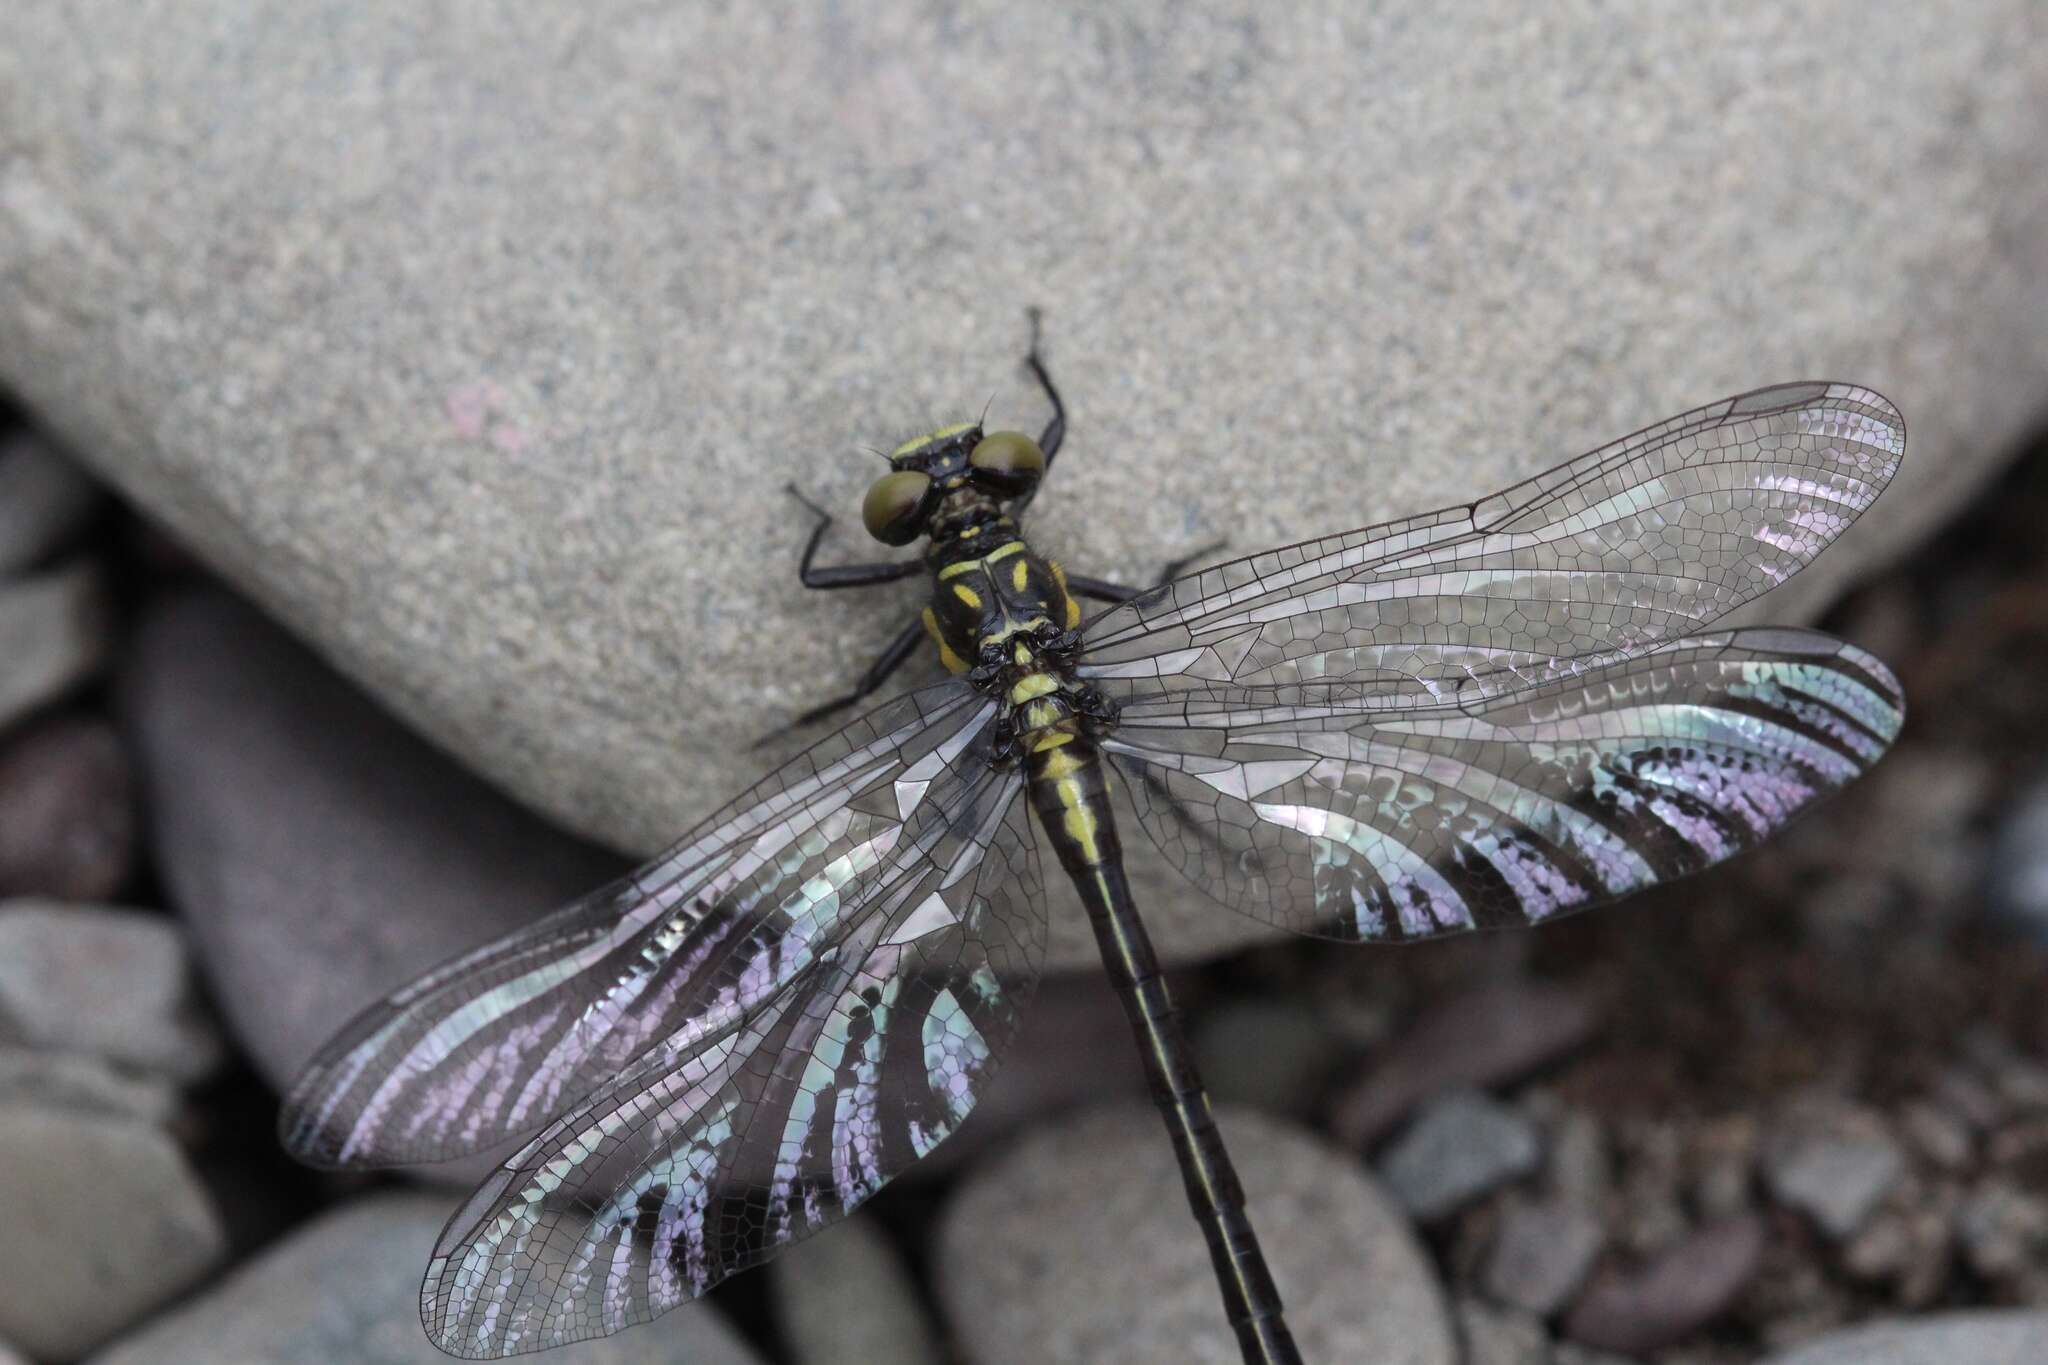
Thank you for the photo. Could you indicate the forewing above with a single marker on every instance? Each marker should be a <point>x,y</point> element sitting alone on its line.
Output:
<point>1334,810</point>
<point>505,1038</point>
<point>1642,541</point>
<point>715,1153</point>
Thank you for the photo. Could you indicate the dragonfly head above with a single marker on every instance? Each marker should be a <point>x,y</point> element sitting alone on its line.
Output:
<point>952,461</point>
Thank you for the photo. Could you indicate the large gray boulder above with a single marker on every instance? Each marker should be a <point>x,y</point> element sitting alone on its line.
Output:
<point>478,343</point>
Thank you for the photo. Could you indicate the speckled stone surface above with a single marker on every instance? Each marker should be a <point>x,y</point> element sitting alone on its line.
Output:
<point>1078,1247</point>
<point>2009,1337</point>
<point>344,1290</point>
<point>478,342</point>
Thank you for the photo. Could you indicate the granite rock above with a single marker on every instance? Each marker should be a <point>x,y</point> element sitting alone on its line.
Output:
<point>1837,1178</point>
<point>479,349</point>
<point>44,499</point>
<point>344,1290</point>
<point>76,1083</point>
<point>104,1221</point>
<point>1462,1146</point>
<point>1541,1254</point>
<point>845,1295</point>
<point>1496,1336</point>
<point>1076,1246</point>
<point>1965,1338</point>
<point>117,984</point>
<point>53,635</point>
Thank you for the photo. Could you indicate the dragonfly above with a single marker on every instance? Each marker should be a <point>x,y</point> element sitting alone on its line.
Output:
<point>1491,715</point>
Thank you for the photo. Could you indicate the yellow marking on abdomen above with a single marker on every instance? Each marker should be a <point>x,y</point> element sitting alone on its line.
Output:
<point>967,595</point>
<point>953,662</point>
<point>1033,685</point>
<point>1058,766</point>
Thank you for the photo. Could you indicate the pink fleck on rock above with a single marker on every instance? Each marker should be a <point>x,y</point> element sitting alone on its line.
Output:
<point>470,406</point>
<point>508,438</point>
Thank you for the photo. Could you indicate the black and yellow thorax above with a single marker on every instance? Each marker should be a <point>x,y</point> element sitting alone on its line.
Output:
<point>988,587</point>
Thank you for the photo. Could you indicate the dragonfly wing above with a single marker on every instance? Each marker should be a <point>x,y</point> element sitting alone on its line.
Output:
<point>505,1038</point>
<point>713,1154</point>
<point>1644,540</point>
<point>1336,810</point>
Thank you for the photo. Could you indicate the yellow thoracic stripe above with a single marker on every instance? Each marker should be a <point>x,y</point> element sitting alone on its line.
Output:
<point>967,595</point>
<point>1059,576</point>
<point>953,662</point>
<point>930,437</point>
<point>970,565</point>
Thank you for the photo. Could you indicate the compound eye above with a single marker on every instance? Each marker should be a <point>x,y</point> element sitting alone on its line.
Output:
<point>894,508</point>
<point>1008,461</point>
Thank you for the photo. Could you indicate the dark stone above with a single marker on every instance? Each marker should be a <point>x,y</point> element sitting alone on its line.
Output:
<point>53,635</point>
<point>322,853</point>
<point>1481,1038</point>
<point>67,824</point>
<point>1461,1147</point>
<point>44,499</point>
<point>1541,1254</point>
<point>1674,1294</point>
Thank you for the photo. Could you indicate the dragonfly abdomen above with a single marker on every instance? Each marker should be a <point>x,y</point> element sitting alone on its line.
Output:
<point>1070,791</point>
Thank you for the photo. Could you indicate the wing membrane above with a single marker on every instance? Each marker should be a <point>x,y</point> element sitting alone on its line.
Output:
<point>716,1153</point>
<point>1336,810</point>
<point>1644,540</point>
<point>507,1037</point>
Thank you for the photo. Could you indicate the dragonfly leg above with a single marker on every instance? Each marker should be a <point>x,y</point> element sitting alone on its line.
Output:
<point>844,575</point>
<point>871,681</point>
<point>1055,433</point>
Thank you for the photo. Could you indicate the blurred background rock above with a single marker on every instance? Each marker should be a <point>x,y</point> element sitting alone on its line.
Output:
<point>391,547</point>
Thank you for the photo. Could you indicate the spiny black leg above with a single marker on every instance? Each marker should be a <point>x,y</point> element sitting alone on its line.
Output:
<point>1102,590</point>
<point>1174,567</point>
<point>1055,433</point>
<point>843,575</point>
<point>878,673</point>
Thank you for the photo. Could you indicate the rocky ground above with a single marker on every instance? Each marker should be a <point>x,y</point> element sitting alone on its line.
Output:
<point>1795,1110</point>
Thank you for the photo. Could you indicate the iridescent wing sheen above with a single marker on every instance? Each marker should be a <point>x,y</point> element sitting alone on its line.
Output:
<point>718,1149</point>
<point>1346,811</point>
<point>1645,540</point>
<point>680,954</point>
